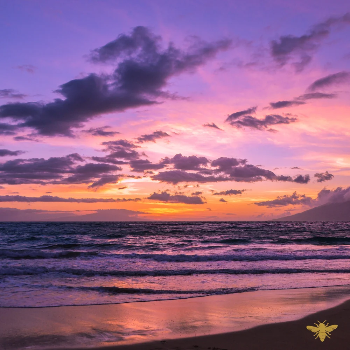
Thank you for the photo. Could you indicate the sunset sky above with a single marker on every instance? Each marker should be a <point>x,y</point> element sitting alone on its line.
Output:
<point>173,110</point>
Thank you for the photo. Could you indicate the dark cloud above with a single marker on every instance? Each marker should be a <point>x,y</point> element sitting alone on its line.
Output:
<point>198,193</point>
<point>109,160</point>
<point>30,138</point>
<point>212,125</point>
<point>330,80</point>
<point>325,196</point>
<point>295,167</point>
<point>281,201</point>
<point>89,172</point>
<point>101,131</point>
<point>337,195</point>
<point>226,164</point>
<point>321,177</point>
<point>284,104</point>
<point>106,179</point>
<point>10,93</point>
<point>123,149</point>
<point>181,162</point>
<point>8,129</point>
<point>316,95</point>
<point>262,124</point>
<point>301,179</point>
<point>152,137</point>
<point>6,152</point>
<point>222,200</point>
<point>115,145</point>
<point>177,198</point>
<point>222,169</point>
<point>143,69</point>
<point>301,48</point>
<point>239,114</point>
<point>140,165</point>
<point>57,170</point>
<point>177,176</point>
<point>228,192</point>
<point>55,199</point>
<point>27,68</point>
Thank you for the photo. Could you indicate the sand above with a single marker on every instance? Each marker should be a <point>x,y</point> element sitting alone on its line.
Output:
<point>252,320</point>
<point>291,335</point>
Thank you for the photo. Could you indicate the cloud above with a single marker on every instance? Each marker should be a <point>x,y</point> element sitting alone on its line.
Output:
<point>301,179</point>
<point>152,137</point>
<point>316,95</point>
<point>226,164</point>
<point>101,131</point>
<point>284,104</point>
<point>10,93</point>
<point>8,129</point>
<point>26,138</point>
<point>321,177</point>
<point>89,172</point>
<point>181,162</point>
<point>27,68</point>
<point>300,100</point>
<point>281,201</point>
<point>177,176</point>
<point>140,165</point>
<point>337,195</point>
<point>223,169</point>
<point>325,196</point>
<point>262,124</point>
<point>55,199</point>
<point>6,152</point>
<point>301,48</point>
<point>57,170</point>
<point>108,159</point>
<point>239,114</point>
<point>222,200</point>
<point>228,192</point>
<point>198,193</point>
<point>330,80</point>
<point>123,149</point>
<point>212,125</point>
<point>142,70</point>
<point>177,198</point>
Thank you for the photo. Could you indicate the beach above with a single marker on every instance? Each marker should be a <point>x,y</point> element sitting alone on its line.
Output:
<point>285,335</point>
<point>251,320</point>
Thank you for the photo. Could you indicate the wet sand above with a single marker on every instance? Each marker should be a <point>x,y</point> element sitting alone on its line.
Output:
<point>291,335</point>
<point>248,320</point>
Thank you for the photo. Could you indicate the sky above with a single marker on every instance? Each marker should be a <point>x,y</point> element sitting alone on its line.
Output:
<point>173,110</point>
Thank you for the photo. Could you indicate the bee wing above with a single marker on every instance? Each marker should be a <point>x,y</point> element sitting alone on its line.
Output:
<point>312,329</point>
<point>331,328</point>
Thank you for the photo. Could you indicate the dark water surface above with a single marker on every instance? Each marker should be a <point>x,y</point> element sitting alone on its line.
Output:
<point>54,264</point>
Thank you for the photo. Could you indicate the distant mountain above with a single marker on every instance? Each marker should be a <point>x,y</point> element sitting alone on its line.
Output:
<point>326,212</point>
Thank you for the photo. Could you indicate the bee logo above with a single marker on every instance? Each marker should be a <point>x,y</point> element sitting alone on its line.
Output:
<point>322,330</point>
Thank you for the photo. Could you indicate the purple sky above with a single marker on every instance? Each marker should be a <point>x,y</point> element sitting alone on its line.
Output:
<point>173,110</point>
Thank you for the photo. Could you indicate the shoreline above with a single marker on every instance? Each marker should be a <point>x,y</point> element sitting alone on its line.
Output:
<point>289,335</point>
<point>184,298</point>
<point>133,325</point>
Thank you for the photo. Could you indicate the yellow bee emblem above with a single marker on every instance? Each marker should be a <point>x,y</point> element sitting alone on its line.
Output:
<point>322,330</point>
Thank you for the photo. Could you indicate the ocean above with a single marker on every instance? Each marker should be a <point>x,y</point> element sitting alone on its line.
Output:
<point>95,263</point>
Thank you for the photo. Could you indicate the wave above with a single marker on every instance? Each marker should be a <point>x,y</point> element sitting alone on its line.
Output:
<point>39,254</point>
<point>253,256</point>
<point>23,271</point>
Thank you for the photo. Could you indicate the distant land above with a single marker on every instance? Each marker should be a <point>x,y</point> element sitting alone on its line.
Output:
<point>326,212</point>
